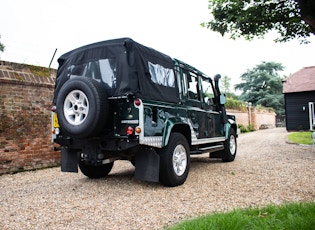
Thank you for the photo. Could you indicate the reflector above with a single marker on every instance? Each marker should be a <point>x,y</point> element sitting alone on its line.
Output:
<point>138,130</point>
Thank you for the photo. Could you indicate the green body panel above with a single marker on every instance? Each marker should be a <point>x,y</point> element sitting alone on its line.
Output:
<point>159,120</point>
<point>169,124</point>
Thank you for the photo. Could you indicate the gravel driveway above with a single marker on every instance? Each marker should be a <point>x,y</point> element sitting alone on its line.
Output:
<point>267,170</point>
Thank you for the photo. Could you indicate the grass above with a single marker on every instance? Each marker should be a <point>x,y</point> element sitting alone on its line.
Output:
<point>288,216</point>
<point>38,70</point>
<point>301,138</point>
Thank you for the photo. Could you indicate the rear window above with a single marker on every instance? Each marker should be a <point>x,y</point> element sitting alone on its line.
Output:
<point>103,70</point>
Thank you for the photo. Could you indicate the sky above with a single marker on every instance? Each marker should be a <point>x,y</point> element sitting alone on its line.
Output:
<point>31,31</point>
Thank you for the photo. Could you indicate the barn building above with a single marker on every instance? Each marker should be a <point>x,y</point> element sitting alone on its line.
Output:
<point>299,97</point>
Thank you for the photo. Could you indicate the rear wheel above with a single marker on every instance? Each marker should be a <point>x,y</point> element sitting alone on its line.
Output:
<point>93,171</point>
<point>174,161</point>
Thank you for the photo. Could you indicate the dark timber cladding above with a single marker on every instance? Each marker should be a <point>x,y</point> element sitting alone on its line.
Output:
<point>297,112</point>
<point>299,91</point>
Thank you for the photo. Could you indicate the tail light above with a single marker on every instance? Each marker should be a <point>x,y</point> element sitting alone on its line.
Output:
<point>129,131</point>
<point>137,102</point>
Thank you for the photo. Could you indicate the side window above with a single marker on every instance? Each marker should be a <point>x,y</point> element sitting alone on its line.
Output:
<point>180,83</point>
<point>207,91</point>
<point>161,75</point>
<point>185,83</point>
<point>192,87</point>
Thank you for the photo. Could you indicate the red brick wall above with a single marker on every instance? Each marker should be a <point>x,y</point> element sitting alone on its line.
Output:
<point>259,118</point>
<point>25,131</point>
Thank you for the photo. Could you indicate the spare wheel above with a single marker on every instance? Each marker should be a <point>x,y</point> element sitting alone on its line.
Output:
<point>82,107</point>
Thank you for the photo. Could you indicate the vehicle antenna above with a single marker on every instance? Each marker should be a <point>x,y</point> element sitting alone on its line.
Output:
<point>52,58</point>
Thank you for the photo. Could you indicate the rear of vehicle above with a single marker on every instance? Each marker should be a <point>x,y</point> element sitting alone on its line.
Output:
<point>119,100</point>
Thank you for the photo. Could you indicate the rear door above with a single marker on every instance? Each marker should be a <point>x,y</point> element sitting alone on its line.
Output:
<point>194,105</point>
<point>212,115</point>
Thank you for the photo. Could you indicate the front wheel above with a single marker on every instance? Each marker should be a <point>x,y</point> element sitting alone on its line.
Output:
<point>230,147</point>
<point>174,161</point>
<point>97,171</point>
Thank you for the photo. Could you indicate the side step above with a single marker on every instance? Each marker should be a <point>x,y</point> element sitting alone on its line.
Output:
<point>208,149</point>
<point>212,148</point>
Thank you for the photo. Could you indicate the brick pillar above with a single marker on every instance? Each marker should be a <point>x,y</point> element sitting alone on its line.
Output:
<point>253,117</point>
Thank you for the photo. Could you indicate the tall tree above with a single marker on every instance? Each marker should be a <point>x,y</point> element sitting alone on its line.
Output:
<point>225,84</point>
<point>262,85</point>
<point>254,18</point>
<point>1,46</point>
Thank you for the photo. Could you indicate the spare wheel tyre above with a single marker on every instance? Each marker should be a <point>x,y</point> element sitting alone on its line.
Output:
<point>82,106</point>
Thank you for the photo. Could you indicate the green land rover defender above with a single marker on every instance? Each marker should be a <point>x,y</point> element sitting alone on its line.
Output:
<point>120,100</point>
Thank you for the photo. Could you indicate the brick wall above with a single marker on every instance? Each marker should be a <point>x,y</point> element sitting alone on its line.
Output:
<point>259,118</point>
<point>263,119</point>
<point>25,132</point>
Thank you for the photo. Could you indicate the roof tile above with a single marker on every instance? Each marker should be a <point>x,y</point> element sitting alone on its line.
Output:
<point>301,81</point>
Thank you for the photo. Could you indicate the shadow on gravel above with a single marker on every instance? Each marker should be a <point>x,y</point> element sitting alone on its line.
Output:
<point>204,159</point>
<point>123,175</point>
<point>126,176</point>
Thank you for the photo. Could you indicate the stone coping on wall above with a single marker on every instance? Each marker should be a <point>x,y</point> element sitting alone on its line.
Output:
<point>253,110</point>
<point>15,73</point>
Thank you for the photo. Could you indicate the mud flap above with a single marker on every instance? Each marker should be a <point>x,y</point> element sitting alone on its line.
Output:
<point>147,163</point>
<point>69,160</point>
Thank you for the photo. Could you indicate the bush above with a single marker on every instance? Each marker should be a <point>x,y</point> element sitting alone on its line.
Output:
<point>232,103</point>
<point>243,128</point>
<point>269,109</point>
<point>251,128</point>
<point>246,129</point>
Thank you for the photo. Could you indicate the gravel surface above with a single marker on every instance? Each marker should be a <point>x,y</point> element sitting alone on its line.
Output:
<point>267,170</point>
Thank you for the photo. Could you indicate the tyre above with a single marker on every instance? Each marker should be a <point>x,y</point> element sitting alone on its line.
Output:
<point>230,147</point>
<point>174,161</point>
<point>82,106</point>
<point>95,172</point>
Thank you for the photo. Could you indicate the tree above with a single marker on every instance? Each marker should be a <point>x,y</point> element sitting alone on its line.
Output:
<point>225,87</point>
<point>1,46</point>
<point>262,85</point>
<point>254,18</point>
<point>225,84</point>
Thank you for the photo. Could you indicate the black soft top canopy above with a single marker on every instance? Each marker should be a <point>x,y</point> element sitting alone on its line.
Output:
<point>124,67</point>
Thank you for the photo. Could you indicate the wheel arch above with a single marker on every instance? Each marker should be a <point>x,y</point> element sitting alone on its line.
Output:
<point>233,125</point>
<point>175,125</point>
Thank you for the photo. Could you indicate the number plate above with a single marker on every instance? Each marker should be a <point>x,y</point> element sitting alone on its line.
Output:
<point>56,123</point>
